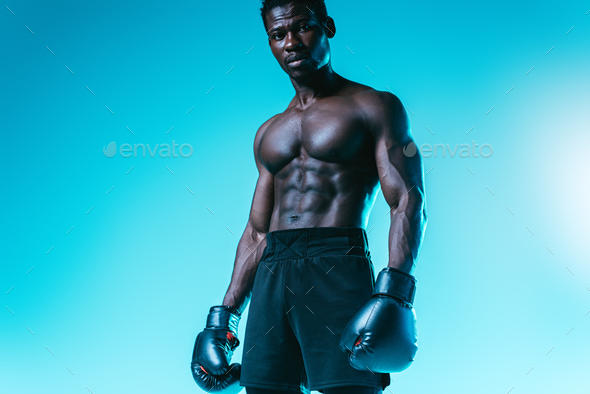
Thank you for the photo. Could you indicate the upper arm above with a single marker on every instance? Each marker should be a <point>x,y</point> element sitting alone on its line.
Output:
<point>400,172</point>
<point>263,200</point>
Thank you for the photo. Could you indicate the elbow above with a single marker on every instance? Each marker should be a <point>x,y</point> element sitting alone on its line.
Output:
<point>421,205</point>
<point>256,234</point>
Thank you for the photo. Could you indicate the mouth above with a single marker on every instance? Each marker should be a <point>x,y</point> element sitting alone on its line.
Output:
<point>296,61</point>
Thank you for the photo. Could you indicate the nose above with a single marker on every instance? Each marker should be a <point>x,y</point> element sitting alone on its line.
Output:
<point>292,42</point>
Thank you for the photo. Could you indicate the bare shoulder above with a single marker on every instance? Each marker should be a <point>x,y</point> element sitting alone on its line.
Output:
<point>262,130</point>
<point>378,103</point>
<point>258,137</point>
<point>383,112</point>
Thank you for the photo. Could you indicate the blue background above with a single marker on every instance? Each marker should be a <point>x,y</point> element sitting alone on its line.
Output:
<point>120,298</point>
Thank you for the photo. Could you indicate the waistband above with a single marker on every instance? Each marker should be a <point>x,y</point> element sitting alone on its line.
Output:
<point>316,241</point>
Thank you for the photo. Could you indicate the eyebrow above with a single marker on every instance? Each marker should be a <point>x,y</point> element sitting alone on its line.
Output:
<point>296,21</point>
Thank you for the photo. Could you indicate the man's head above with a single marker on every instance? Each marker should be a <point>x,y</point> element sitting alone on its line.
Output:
<point>298,33</point>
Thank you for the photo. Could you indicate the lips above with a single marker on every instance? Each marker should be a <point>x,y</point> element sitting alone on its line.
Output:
<point>297,60</point>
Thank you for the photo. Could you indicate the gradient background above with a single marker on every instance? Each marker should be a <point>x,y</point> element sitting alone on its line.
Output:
<point>121,297</point>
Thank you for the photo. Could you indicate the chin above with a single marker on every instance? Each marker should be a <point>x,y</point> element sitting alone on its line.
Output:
<point>304,77</point>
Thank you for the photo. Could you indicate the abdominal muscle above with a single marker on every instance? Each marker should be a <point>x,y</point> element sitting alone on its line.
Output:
<point>321,194</point>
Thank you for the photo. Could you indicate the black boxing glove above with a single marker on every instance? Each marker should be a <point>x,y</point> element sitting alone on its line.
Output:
<point>382,335</point>
<point>213,350</point>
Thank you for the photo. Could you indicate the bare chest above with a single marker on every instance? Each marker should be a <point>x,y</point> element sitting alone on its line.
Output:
<point>329,133</point>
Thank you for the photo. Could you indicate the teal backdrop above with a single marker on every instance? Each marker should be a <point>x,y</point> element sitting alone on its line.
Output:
<point>109,265</point>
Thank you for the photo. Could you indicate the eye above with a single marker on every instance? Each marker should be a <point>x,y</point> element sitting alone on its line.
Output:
<point>304,27</point>
<point>277,36</point>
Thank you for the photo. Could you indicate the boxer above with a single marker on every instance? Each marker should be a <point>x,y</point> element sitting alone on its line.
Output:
<point>318,318</point>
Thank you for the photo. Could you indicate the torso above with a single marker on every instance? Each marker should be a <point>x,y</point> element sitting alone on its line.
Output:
<point>323,162</point>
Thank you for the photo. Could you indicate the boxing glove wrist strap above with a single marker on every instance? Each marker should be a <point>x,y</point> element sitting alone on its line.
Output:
<point>223,316</point>
<point>397,284</point>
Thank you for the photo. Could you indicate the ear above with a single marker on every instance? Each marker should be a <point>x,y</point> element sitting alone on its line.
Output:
<point>330,27</point>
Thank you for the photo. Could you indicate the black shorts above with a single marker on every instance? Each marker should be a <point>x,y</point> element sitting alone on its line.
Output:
<point>308,285</point>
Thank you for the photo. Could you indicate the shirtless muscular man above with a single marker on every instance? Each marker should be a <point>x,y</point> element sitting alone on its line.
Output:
<point>318,319</point>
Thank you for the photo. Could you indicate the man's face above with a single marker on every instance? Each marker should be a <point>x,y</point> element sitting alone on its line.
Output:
<point>298,41</point>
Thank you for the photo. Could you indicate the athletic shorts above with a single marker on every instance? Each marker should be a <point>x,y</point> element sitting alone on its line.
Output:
<point>308,285</point>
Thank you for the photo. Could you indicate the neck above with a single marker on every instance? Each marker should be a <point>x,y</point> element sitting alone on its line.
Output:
<point>324,82</point>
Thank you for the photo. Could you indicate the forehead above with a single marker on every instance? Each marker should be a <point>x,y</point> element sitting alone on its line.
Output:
<point>287,13</point>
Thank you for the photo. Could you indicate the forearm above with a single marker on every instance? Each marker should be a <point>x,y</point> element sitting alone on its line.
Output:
<point>406,232</point>
<point>248,255</point>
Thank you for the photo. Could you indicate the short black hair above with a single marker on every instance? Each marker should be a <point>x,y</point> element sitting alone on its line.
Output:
<point>318,7</point>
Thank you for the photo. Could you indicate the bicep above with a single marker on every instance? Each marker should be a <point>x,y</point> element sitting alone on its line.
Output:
<point>262,202</point>
<point>398,174</point>
<point>398,164</point>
